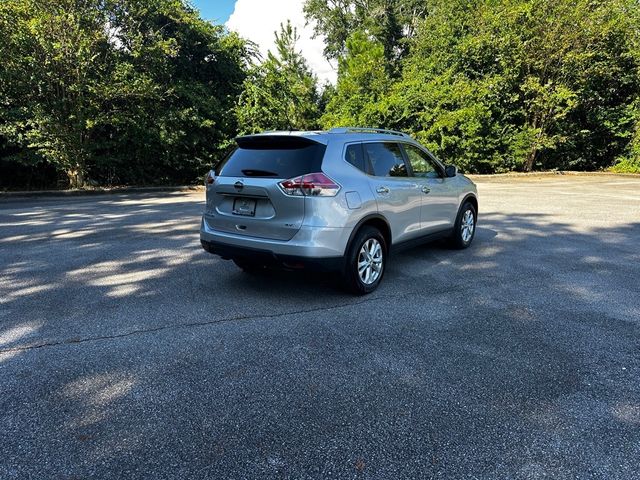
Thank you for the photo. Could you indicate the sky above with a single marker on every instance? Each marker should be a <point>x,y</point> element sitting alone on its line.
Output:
<point>257,20</point>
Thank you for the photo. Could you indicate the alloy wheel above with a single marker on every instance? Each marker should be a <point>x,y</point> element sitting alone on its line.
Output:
<point>467,226</point>
<point>370,261</point>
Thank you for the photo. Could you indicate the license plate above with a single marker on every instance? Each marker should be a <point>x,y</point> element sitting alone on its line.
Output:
<point>244,206</point>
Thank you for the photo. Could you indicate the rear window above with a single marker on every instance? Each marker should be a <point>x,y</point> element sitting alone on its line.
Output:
<point>272,157</point>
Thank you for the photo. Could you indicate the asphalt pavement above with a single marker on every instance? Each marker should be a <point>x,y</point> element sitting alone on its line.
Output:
<point>126,351</point>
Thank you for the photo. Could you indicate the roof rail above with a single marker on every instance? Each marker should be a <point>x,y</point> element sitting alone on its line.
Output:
<point>366,130</point>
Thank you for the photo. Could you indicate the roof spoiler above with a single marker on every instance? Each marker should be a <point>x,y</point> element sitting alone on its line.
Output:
<point>274,141</point>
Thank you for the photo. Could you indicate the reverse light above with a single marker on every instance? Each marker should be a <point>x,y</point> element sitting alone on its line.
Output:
<point>310,185</point>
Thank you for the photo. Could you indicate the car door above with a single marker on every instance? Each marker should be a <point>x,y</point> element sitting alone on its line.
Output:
<point>398,196</point>
<point>439,200</point>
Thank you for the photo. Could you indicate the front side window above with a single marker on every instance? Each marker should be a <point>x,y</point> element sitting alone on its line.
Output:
<point>421,164</point>
<point>386,159</point>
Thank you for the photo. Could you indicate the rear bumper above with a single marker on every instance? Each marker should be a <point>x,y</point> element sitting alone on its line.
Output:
<point>320,248</point>
<point>265,257</point>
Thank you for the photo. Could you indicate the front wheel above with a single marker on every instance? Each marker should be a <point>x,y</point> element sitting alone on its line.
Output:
<point>465,226</point>
<point>366,261</point>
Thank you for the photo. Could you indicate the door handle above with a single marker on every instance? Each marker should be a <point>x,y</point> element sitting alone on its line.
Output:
<point>425,189</point>
<point>383,190</point>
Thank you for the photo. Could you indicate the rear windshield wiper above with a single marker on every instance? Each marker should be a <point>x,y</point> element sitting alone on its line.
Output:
<point>258,173</point>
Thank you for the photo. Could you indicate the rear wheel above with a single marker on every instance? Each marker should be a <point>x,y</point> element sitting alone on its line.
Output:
<point>366,261</point>
<point>465,227</point>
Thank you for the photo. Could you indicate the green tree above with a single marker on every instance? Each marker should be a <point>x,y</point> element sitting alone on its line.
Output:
<point>54,53</point>
<point>390,22</point>
<point>362,85</point>
<point>520,84</point>
<point>118,91</point>
<point>281,93</point>
<point>169,97</point>
<point>630,160</point>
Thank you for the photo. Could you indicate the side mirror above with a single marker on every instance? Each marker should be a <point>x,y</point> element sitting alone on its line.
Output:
<point>451,171</point>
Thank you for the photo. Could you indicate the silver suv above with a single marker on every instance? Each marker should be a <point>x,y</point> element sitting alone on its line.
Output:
<point>339,200</point>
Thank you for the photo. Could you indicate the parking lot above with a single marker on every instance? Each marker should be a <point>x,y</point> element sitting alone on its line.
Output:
<point>126,351</point>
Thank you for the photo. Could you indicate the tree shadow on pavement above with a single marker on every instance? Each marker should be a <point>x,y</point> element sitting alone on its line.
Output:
<point>523,348</point>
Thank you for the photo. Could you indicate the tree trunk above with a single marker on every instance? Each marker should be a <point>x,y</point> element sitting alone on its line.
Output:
<point>531,158</point>
<point>76,177</point>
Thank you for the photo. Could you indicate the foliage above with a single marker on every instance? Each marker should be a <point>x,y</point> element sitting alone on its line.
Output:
<point>117,91</point>
<point>626,165</point>
<point>144,92</point>
<point>389,22</point>
<point>54,55</point>
<point>630,161</point>
<point>281,93</point>
<point>497,85</point>
<point>362,84</point>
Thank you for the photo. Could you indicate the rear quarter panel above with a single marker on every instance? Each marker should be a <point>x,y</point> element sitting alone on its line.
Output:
<point>354,186</point>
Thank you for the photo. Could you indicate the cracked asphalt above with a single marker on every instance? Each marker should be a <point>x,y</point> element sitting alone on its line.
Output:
<point>128,352</point>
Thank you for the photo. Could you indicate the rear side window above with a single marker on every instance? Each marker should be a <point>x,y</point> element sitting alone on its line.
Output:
<point>386,159</point>
<point>354,154</point>
<point>272,158</point>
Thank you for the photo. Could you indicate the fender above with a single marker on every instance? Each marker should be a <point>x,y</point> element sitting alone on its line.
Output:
<point>371,216</point>
<point>467,197</point>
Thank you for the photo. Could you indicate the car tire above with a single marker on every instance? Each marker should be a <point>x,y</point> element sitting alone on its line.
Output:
<point>365,262</point>
<point>464,229</point>
<point>248,266</point>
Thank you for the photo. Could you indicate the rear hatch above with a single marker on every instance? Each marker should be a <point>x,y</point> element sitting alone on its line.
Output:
<point>245,197</point>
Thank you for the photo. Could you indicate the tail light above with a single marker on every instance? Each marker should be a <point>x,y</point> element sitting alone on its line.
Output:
<point>210,178</point>
<point>310,185</point>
